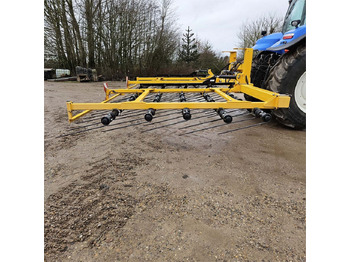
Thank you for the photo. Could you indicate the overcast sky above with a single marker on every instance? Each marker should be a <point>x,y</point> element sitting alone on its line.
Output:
<point>218,21</point>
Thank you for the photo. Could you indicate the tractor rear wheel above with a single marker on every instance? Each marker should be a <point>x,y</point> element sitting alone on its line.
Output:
<point>261,65</point>
<point>289,77</point>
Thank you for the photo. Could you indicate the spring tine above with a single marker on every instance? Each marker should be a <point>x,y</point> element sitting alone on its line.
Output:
<point>169,119</point>
<point>120,127</point>
<point>81,131</point>
<point>79,127</point>
<point>210,127</point>
<point>182,121</point>
<point>237,129</point>
<point>214,114</point>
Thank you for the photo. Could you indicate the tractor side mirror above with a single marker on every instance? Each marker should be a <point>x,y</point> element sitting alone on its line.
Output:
<point>263,33</point>
<point>295,23</point>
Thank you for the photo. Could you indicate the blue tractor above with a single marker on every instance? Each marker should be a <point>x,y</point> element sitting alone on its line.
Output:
<point>280,65</point>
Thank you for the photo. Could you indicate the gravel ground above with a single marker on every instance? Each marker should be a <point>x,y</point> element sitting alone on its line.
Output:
<point>170,190</point>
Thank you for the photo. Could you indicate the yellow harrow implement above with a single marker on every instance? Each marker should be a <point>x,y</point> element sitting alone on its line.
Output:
<point>223,86</point>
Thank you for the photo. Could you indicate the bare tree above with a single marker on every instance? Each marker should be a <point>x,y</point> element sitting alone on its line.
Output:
<point>250,31</point>
<point>53,31</point>
<point>77,33</point>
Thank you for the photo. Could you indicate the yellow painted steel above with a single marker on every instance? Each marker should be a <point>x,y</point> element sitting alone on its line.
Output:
<point>270,100</point>
<point>142,96</point>
<point>224,95</point>
<point>172,105</point>
<point>232,58</point>
<point>169,80</point>
<point>238,83</point>
<point>244,77</point>
<point>70,109</point>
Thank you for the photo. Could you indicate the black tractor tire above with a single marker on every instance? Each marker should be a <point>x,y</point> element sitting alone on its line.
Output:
<point>283,79</point>
<point>261,65</point>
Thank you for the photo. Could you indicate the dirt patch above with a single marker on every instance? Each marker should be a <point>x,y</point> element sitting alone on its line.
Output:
<point>165,191</point>
<point>84,210</point>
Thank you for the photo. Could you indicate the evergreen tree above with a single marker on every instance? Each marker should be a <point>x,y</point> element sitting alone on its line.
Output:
<point>189,50</point>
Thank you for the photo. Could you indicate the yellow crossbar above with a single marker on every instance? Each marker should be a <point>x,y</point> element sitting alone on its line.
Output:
<point>239,82</point>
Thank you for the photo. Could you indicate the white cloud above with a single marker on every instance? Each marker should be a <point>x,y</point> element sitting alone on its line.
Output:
<point>219,21</point>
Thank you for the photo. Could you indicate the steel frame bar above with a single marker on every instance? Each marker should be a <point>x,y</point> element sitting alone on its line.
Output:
<point>270,100</point>
<point>71,118</point>
<point>238,83</point>
<point>169,80</point>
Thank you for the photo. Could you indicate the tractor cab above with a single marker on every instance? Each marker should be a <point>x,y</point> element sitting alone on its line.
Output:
<point>296,16</point>
<point>293,30</point>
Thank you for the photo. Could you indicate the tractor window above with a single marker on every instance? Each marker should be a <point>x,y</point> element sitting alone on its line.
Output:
<point>296,11</point>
